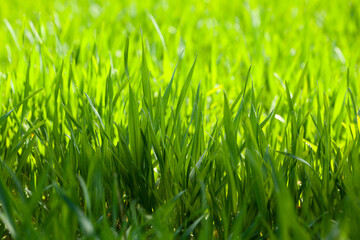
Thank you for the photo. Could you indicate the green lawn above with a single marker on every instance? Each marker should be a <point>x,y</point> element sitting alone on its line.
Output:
<point>179,119</point>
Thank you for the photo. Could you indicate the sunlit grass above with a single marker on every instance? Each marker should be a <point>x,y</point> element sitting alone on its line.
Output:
<point>179,120</point>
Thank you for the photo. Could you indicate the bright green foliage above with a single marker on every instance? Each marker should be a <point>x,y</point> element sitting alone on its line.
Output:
<point>179,119</point>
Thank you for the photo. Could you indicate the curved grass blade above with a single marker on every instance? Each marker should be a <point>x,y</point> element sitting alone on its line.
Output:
<point>126,55</point>
<point>2,118</point>
<point>168,88</point>
<point>295,157</point>
<point>184,89</point>
<point>94,110</point>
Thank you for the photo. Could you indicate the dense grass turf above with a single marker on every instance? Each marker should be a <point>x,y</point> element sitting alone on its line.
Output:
<point>180,119</point>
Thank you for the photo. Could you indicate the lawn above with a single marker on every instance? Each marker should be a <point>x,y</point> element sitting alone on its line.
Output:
<point>206,119</point>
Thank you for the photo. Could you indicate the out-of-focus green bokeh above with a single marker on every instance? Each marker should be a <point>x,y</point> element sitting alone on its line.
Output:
<point>229,36</point>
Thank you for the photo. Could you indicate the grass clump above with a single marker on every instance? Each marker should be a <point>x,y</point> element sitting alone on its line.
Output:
<point>223,120</point>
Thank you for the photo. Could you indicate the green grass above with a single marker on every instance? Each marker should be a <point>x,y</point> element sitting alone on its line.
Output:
<point>179,120</point>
